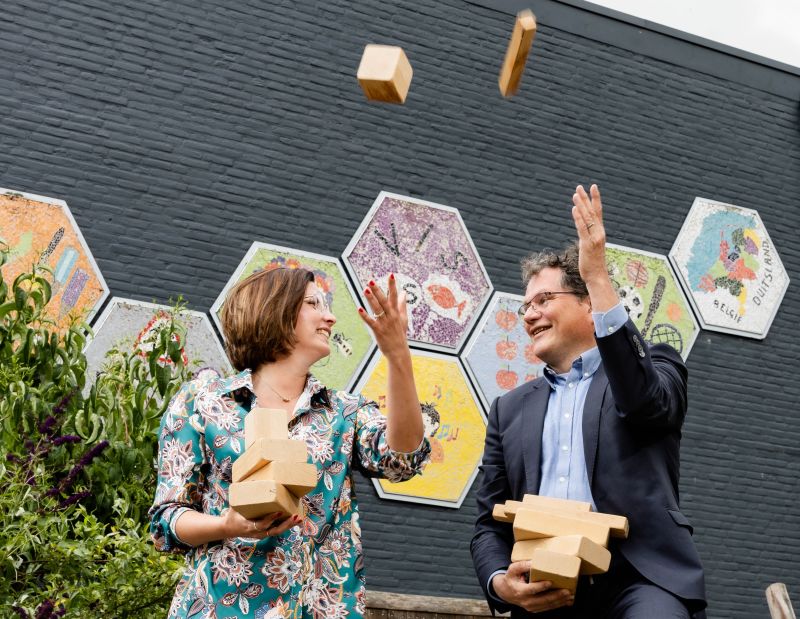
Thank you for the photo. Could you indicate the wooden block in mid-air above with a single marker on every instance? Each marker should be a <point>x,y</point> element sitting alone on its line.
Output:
<point>561,570</point>
<point>385,73</point>
<point>517,53</point>
<point>254,499</point>
<point>594,558</point>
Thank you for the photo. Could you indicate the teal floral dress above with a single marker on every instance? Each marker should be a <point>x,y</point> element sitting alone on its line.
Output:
<point>312,570</point>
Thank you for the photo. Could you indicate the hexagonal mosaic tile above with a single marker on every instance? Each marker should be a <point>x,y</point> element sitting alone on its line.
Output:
<point>647,286</point>
<point>499,355</point>
<point>454,423</point>
<point>42,229</point>
<point>730,268</point>
<point>431,253</point>
<point>132,325</point>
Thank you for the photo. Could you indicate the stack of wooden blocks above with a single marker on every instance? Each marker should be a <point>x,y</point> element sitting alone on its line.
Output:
<point>562,539</point>
<point>273,472</point>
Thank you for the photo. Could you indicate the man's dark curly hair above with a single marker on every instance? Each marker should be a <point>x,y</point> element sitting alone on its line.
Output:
<point>566,260</point>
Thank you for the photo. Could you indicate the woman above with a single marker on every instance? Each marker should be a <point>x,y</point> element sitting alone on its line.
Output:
<point>277,325</point>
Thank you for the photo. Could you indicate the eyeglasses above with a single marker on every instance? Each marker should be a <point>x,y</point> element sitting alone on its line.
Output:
<point>319,303</point>
<point>540,301</point>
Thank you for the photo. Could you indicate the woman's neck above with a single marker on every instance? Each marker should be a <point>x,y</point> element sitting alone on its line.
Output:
<point>279,381</point>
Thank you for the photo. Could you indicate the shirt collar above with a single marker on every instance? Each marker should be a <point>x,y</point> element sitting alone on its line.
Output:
<point>586,365</point>
<point>240,387</point>
<point>237,382</point>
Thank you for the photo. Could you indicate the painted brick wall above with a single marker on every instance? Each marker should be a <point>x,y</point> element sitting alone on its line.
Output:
<point>179,132</point>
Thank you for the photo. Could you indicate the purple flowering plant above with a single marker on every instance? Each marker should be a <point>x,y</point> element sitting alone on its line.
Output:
<point>77,475</point>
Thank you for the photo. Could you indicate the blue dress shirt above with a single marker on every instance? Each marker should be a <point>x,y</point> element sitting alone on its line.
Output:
<point>563,461</point>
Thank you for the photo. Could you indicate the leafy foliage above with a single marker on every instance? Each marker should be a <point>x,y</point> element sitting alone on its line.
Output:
<point>125,406</point>
<point>79,472</point>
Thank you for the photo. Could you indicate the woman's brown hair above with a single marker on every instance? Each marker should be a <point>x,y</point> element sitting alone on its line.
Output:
<point>260,314</point>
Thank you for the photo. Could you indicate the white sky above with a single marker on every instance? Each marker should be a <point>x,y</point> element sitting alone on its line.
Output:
<point>769,28</point>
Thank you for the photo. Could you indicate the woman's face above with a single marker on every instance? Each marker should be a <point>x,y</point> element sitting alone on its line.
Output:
<point>313,327</point>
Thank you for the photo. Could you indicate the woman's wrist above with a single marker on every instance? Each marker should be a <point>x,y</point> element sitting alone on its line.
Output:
<point>223,527</point>
<point>399,358</point>
<point>195,528</point>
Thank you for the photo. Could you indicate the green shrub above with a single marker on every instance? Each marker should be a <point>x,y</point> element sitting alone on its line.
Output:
<point>79,473</point>
<point>125,406</point>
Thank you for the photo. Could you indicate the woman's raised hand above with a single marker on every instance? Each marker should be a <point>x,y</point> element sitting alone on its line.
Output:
<point>389,319</point>
<point>389,324</point>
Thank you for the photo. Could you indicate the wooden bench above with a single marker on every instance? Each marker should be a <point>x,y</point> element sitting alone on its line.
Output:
<point>385,605</point>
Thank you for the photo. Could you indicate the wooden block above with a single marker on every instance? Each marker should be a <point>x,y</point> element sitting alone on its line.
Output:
<point>535,501</point>
<point>618,525</point>
<point>254,499</point>
<point>264,451</point>
<point>299,479</point>
<point>594,558</point>
<point>561,570</point>
<point>511,508</point>
<point>385,73</point>
<point>271,423</point>
<point>780,606</point>
<point>517,53</point>
<point>533,524</point>
<point>499,513</point>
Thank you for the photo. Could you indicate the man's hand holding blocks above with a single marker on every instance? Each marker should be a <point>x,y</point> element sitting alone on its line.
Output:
<point>273,472</point>
<point>561,538</point>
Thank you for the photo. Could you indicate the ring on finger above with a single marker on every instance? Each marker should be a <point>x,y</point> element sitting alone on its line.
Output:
<point>378,315</point>
<point>588,226</point>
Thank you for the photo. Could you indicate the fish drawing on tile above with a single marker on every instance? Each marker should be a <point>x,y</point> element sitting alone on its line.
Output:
<point>446,298</point>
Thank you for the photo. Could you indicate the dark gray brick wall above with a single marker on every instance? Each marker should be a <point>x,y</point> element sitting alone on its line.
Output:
<point>179,132</point>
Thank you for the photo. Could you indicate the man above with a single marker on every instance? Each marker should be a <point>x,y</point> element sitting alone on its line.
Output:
<point>602,425</point>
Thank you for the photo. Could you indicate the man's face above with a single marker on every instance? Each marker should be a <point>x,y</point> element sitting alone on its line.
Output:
<point>561,328</point>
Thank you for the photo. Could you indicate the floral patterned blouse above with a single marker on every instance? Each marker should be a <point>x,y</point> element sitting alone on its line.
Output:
<point>312,570</point>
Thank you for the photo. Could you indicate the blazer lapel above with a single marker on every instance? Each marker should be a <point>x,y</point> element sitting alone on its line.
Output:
<point>592,410</point>
<point>534,408</point>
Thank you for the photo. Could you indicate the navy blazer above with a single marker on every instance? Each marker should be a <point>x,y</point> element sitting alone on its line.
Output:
<point>632,422</point>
